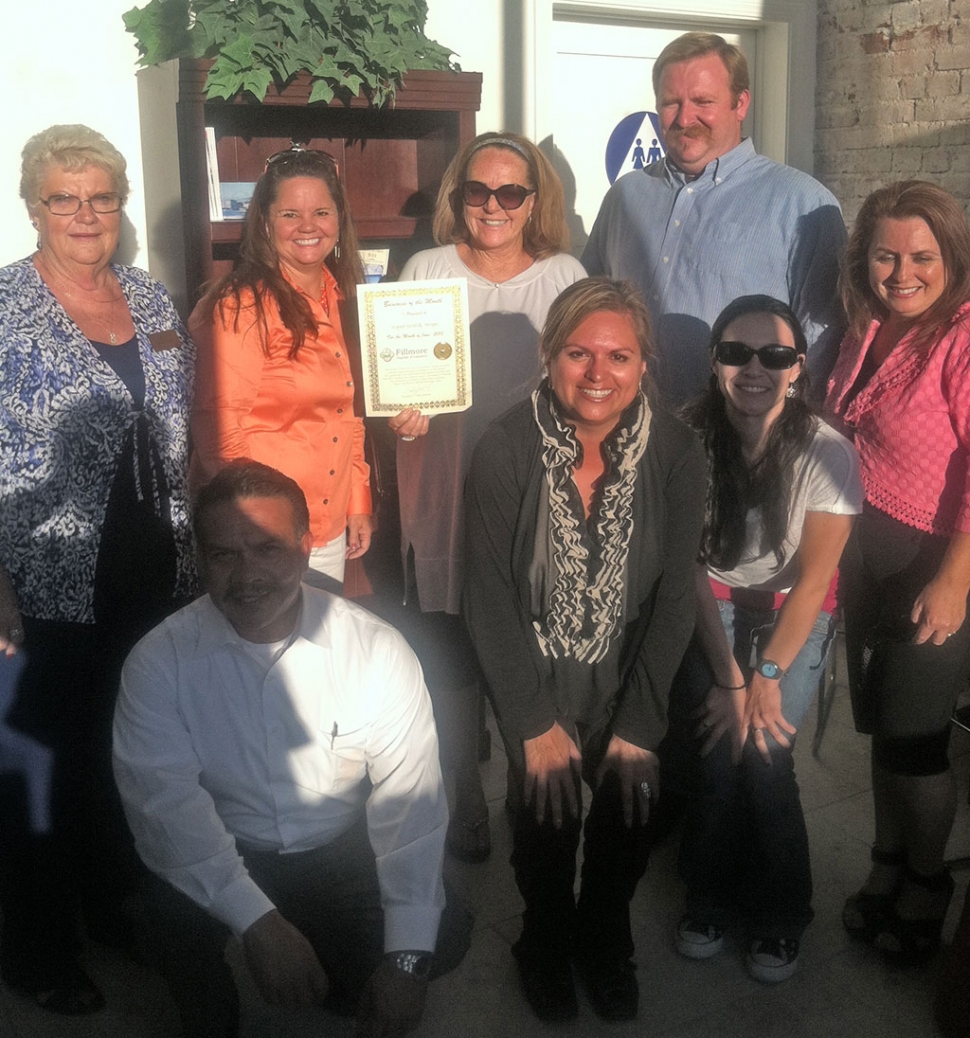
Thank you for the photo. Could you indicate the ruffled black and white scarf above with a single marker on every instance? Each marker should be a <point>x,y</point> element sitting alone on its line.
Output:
<point>583,601</point>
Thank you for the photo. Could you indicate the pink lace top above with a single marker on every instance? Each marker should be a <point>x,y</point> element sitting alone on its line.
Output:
<point>911,426</point>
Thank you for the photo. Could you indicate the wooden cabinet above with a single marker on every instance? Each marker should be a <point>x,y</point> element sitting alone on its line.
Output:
<point>391,159</point>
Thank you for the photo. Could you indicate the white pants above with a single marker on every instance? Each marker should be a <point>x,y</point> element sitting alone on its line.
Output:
<point>327,564</point>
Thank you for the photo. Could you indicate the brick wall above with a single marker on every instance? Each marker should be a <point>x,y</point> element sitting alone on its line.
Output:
<point>893,96</point>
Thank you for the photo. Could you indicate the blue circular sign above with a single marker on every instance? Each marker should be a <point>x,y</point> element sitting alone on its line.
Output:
<point>634,143</point>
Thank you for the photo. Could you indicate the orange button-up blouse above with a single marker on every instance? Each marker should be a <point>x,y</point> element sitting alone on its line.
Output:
<point>294,413</point>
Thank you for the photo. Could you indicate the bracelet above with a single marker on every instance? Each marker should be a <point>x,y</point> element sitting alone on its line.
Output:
<point>417,963</point>
<point>729,688</point>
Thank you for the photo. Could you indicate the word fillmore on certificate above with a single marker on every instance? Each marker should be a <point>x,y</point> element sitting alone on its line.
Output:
<point>414,346</point>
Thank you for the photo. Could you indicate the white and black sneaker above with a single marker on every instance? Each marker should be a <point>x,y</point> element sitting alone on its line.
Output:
<point>698,940</point>
<point>772,960</point>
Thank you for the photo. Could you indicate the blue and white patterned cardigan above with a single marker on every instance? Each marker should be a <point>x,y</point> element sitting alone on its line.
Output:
<point>64,414</point>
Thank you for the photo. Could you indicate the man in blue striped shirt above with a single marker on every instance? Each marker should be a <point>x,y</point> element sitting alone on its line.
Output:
<point>714,220</point>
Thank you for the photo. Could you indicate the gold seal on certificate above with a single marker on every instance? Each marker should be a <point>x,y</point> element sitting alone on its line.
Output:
<point>415,346</point>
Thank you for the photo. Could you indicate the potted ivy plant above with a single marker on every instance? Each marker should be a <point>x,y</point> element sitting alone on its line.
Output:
<point>348,47</point>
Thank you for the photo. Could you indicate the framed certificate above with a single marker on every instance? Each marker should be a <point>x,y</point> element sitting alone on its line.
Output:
<point>415,346</point>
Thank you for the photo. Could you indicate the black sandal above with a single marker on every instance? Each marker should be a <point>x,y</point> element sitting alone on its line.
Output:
<point>911,942</point>
<point>864,915</point>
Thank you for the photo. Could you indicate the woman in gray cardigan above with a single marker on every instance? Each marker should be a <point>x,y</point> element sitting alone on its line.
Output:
<point>584,512</point>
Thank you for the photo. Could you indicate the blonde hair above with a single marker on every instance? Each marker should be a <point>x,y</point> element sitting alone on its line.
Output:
<point>546,232</point>
<point>73,147</point>
<point>591,296</point>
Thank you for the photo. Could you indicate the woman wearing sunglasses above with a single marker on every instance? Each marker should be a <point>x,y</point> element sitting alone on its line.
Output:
<point>783,491</point>
<point>273,375</point>
<point>500,221</point>
<point>902,386</point>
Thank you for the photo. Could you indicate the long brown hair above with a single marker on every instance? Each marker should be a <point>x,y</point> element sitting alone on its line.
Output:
<point>944,216</point>
<point>257,271</point>
<point>545,234</point>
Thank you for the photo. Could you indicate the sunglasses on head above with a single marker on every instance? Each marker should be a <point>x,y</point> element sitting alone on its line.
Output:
<point>508,196</point>
<point>774,357</point>
<point>280,158</point>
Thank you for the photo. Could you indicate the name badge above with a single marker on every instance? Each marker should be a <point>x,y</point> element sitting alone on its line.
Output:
<point>167,340</point>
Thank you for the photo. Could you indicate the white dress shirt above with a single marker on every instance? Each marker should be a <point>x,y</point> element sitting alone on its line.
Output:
<point>214,741</point>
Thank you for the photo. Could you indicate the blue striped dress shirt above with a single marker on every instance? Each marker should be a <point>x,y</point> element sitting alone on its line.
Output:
<point>745,225</point>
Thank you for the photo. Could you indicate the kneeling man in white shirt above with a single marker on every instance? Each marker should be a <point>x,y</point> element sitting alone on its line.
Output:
<point>276,754</point>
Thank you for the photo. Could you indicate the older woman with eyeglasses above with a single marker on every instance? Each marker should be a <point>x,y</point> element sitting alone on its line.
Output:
<point>274,379</point>
<point>95,384</point>
<point>500,224</point>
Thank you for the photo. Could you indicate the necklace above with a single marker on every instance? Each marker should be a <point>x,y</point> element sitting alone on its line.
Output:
<point>88,306</point>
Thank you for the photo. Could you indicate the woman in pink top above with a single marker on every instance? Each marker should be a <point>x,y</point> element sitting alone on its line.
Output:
<point>902,389</point>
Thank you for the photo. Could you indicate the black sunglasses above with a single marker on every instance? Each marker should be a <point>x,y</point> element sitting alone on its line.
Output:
<point>508,196</point>
<point>774,357</point>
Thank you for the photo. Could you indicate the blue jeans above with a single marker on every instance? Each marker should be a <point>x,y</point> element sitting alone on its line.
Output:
<point>745,846</point>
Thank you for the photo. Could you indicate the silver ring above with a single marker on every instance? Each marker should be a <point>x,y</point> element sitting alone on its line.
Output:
<point>407,439</point>
<point>646,790</point>
<point>755,729</point>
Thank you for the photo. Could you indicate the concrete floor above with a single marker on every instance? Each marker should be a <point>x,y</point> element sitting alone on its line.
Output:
<point>840,988</point>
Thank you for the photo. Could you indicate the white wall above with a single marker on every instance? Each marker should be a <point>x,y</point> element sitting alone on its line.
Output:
<point>67,62</point>
<point>476,32</point>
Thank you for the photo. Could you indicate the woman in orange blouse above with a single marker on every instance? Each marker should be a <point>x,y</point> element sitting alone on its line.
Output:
<point>273,377</point>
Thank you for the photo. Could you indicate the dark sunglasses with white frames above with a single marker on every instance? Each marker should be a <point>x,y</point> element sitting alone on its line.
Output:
<point>68,205</point>
<point>508,196</point>
<point>773,357</point>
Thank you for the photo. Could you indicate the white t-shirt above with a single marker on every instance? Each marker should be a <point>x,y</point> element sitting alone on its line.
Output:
<point>826,479</point>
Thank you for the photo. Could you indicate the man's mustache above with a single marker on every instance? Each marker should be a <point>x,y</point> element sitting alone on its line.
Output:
<point>691,132</point>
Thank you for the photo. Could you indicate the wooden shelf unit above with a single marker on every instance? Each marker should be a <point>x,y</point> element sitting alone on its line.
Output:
<point>391,159</point>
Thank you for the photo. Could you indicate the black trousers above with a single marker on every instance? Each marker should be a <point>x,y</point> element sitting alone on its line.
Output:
<point>75,853</point>
<point>597,925</point>
<point>330,894</point>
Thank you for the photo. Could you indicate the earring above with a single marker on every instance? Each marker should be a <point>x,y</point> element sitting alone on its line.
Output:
<point>336,249</point>
<point>791,390</point>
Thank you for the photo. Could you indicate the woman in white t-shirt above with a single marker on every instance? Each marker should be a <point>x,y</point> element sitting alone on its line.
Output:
<point>783,491</point>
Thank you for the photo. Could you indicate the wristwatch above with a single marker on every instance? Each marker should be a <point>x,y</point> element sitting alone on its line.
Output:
<point>769,669</point>
<point>417,963</point>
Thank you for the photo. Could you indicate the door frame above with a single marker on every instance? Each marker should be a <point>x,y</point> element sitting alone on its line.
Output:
<point>784,88</point>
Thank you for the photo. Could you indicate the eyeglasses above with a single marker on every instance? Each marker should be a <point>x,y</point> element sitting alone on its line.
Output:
<point>774,357</point>
<point>68,205</point>
<point>282,157</point>
<point>508,196</point>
